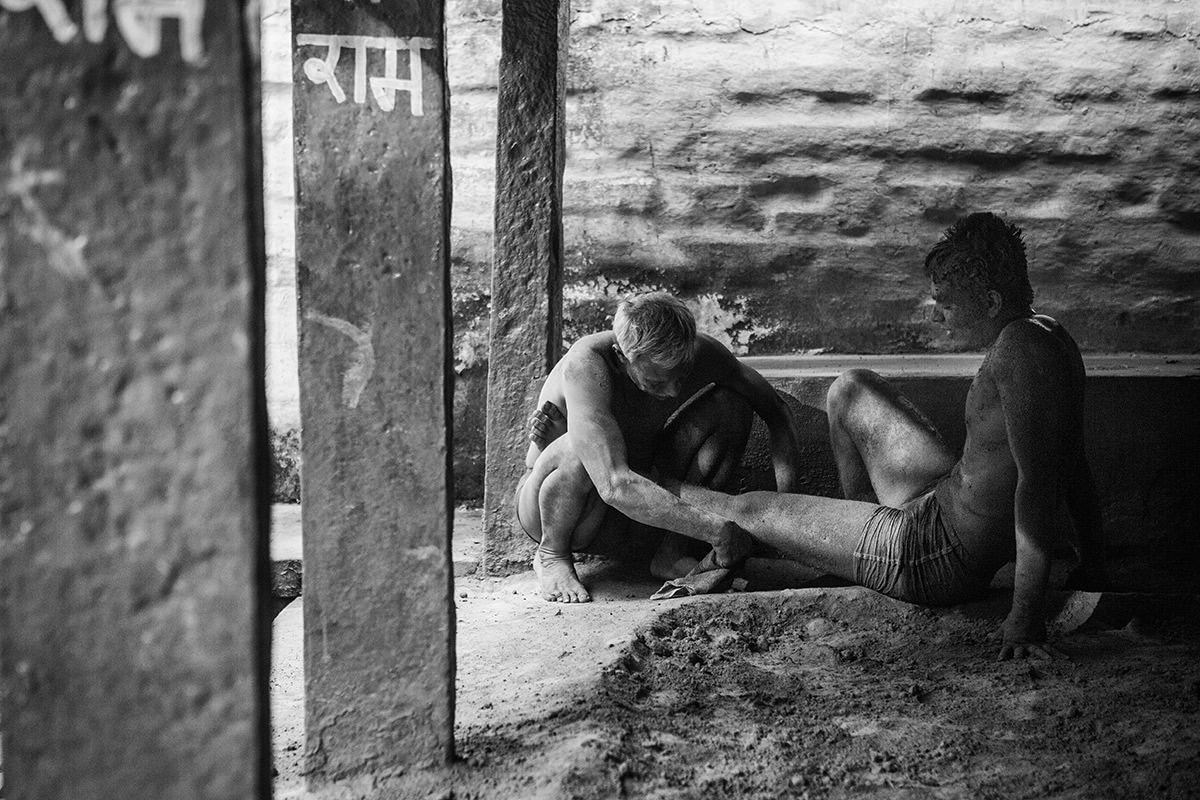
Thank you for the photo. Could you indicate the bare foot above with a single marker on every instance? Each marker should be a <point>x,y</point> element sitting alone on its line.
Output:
<point>733,545</point>
<point>557,578</point>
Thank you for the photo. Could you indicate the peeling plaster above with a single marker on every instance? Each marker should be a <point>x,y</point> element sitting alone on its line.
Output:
<point>726,320</point>
<point>472,348</point>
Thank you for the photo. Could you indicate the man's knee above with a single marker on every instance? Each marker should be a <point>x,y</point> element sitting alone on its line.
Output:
<point>557,485</point>
<point>567,474</point>
<point>849,387</point>
<point>558,471</point>
<point>705,443</point>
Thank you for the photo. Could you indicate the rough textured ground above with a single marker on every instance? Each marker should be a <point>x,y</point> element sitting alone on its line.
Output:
<point>802,693</point>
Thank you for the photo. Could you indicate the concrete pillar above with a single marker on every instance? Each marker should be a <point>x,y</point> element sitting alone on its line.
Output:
<point>526,322</point>
<point>133,611</point>
<point>372,203</point>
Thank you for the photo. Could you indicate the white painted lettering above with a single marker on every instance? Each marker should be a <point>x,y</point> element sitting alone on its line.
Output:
<point>53,12</point>
<point>383,88</point>
<point>139,21</point>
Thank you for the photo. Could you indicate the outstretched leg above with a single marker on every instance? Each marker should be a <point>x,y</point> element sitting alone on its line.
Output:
<point>822,532</point>
<point>559,508</point>
<point>886,450</point>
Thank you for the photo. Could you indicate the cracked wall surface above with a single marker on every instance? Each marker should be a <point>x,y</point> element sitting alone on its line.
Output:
<point>798,160</point>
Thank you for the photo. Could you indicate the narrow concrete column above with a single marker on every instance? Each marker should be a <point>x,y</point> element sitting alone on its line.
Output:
<point>373,202</point>
<point>526,322</point>
<point>133,616</point>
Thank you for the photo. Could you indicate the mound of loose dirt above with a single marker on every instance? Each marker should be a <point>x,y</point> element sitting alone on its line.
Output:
<point>811,693</point>
<point>834,693</point>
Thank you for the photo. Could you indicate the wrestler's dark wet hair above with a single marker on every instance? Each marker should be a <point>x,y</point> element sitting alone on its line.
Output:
<point>657,327</point>
<point>980,253</point>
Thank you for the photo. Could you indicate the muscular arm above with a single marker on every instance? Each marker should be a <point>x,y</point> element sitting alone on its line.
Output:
<point>598,440</point>
<point>785,448</point>
<point>1034,390</point>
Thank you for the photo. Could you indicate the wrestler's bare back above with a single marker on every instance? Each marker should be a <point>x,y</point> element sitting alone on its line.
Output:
<point>977,495</point>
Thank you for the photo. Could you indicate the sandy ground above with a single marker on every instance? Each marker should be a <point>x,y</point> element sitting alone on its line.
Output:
<point>834,692</point>
<point>521,660</point>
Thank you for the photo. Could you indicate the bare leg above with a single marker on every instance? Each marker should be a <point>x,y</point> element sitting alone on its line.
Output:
<point>822,532</point>
<point>886,450</point>
<point>702,445</point>
<point>558,506</point>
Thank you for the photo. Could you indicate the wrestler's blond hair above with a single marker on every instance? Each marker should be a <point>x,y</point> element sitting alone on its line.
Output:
<point>657,327</point>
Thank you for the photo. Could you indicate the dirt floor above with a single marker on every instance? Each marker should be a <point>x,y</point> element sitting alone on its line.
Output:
<point>833,692</point>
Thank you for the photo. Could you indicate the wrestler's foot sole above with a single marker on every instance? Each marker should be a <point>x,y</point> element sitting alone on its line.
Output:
<point>557,579</point>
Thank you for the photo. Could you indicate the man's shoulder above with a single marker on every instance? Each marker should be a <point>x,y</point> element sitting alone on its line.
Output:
<point>591,346</point>
<point>708,344</point>
<point>593,341</point>
<point>1038,344</point>
<point>1036,334</point>
<point>586,355</point>
<point>713,357</point>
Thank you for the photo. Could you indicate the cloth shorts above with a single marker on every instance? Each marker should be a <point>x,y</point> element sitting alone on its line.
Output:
<point>911,554</point>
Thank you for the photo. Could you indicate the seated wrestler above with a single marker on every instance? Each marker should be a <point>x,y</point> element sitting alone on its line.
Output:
<point>649,397</point>
<point>920,523</point>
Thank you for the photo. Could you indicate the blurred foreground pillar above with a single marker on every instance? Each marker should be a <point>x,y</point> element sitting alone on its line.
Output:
<point>134,633</point>
<point>373,209</point>
<point>526,323</point>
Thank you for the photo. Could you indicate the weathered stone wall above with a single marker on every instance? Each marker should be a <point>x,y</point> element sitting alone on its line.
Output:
<point>786,168</point>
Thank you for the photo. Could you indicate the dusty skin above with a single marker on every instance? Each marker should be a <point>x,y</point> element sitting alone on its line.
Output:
<point>621,409</point>
<point>806,693</point>
<point>557,579</point>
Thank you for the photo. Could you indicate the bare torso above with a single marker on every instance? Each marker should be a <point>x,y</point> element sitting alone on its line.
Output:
<point>639,415</point>
<point>977,495</point>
